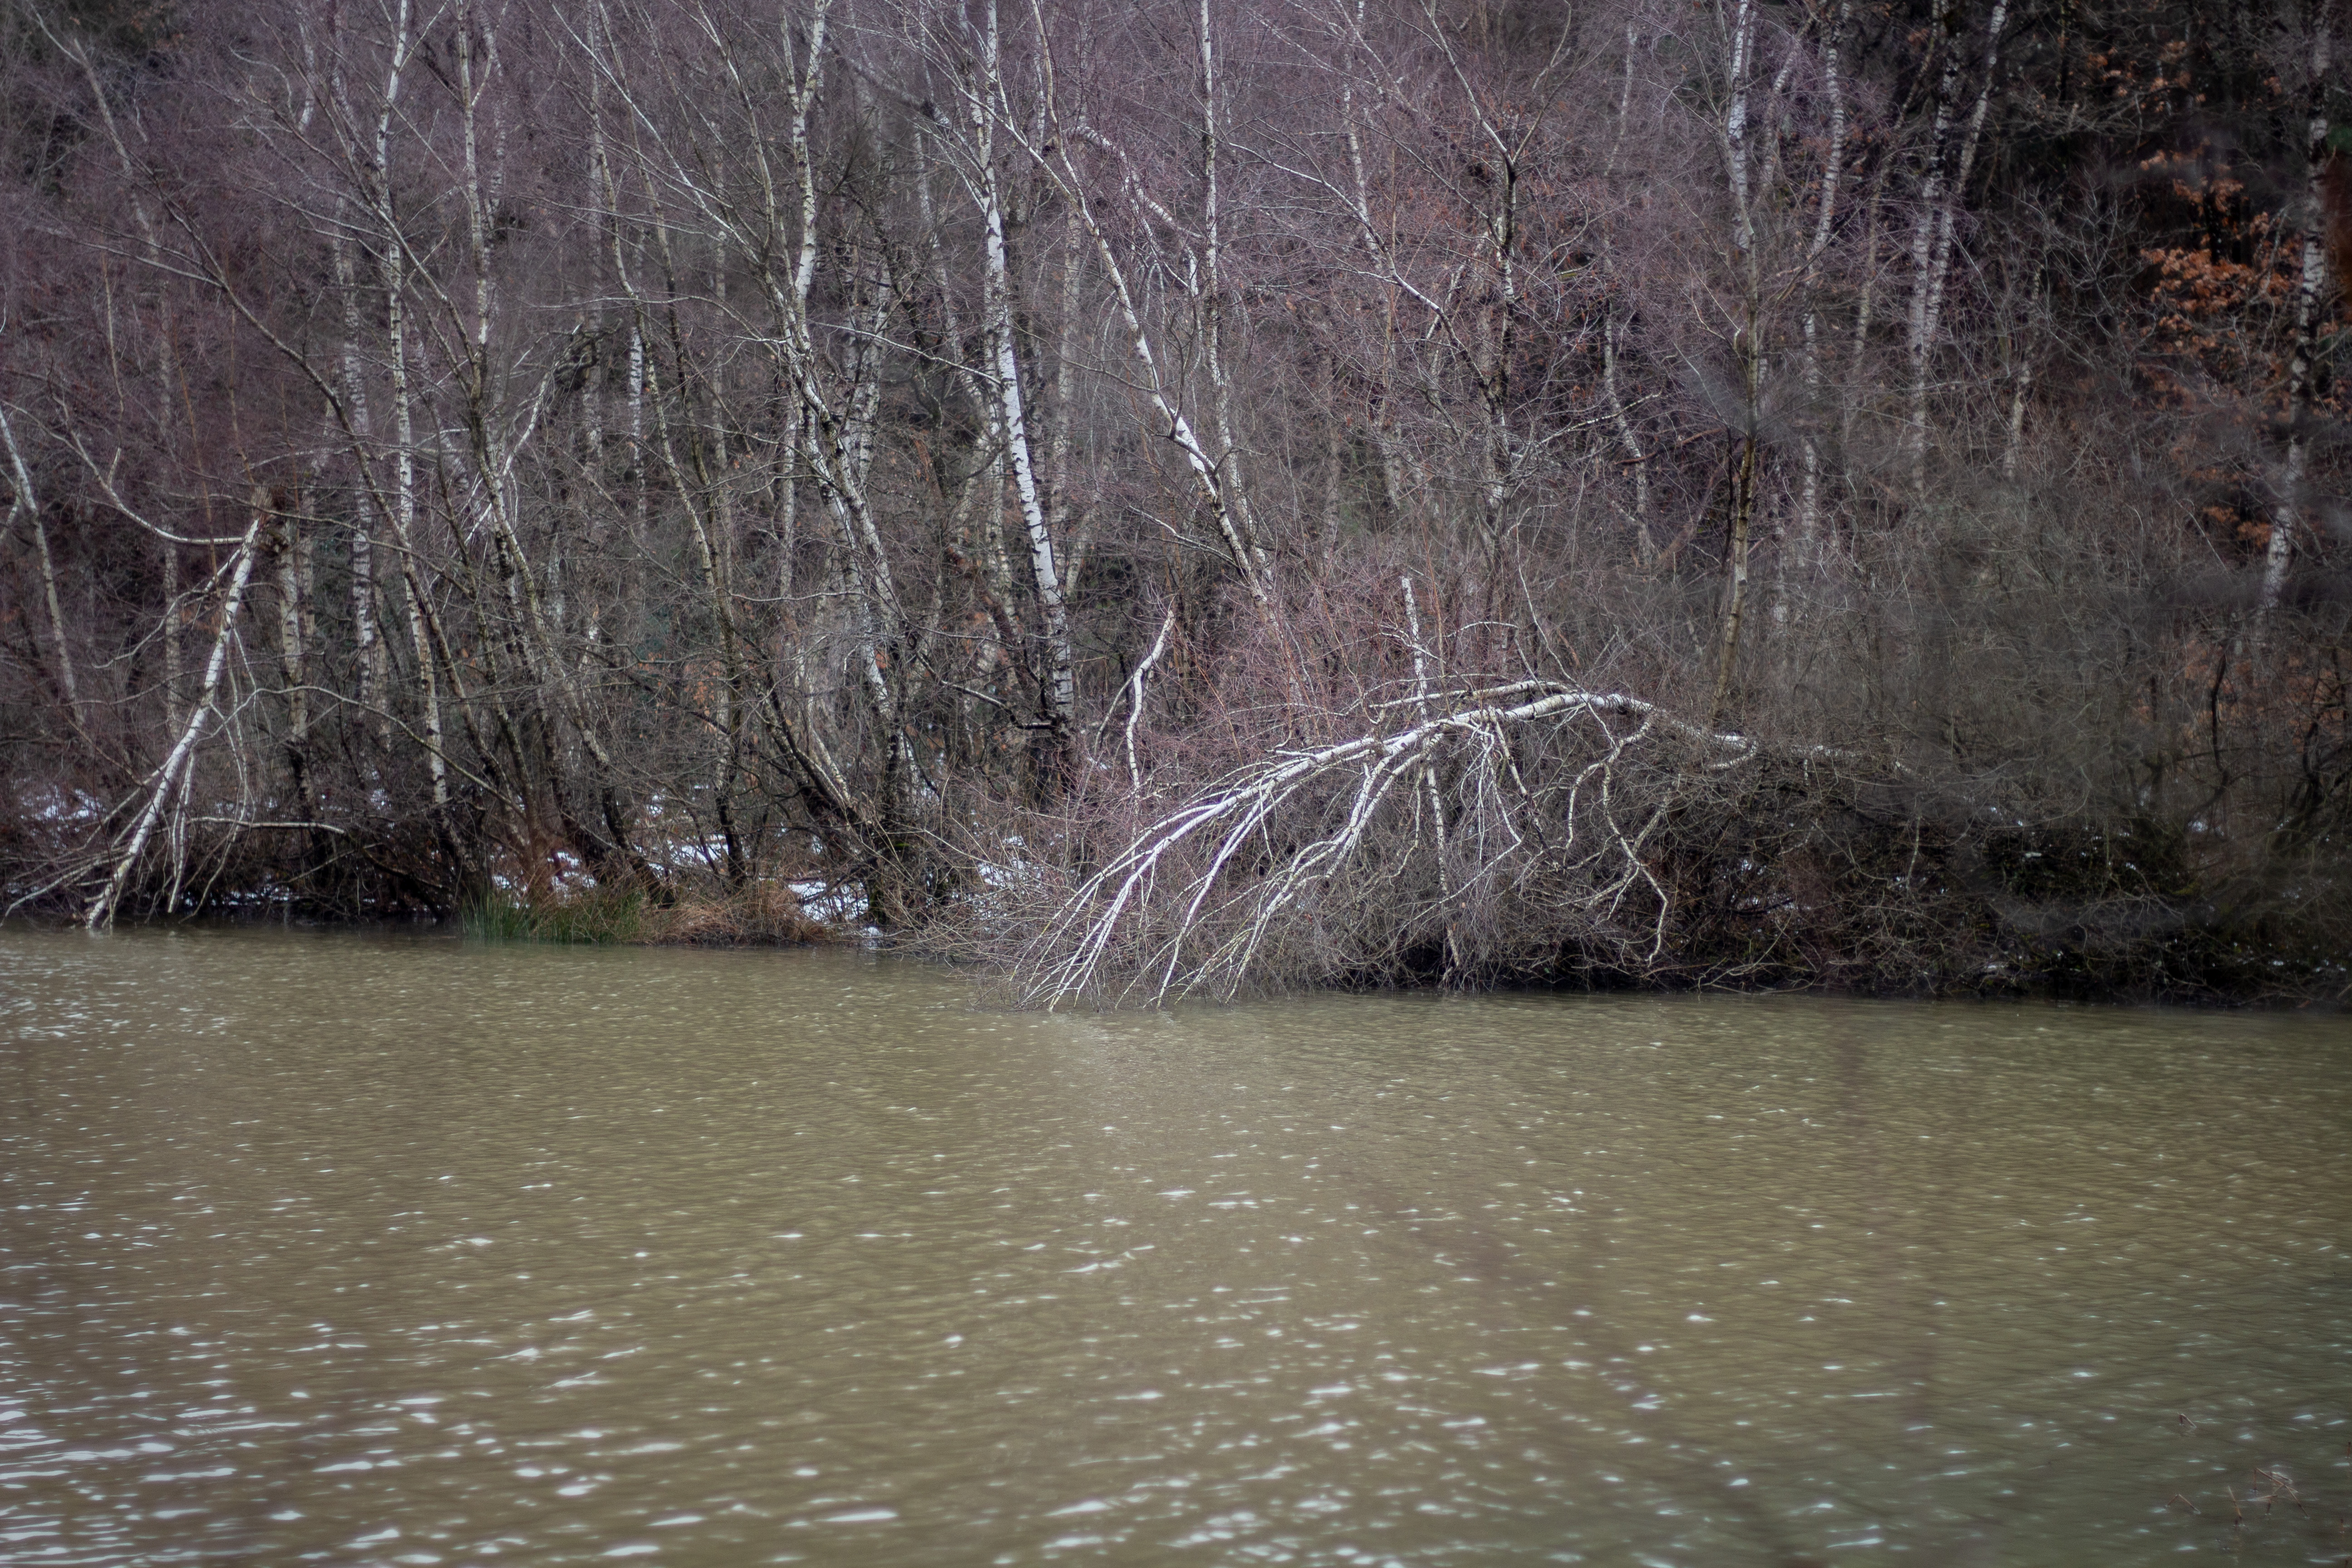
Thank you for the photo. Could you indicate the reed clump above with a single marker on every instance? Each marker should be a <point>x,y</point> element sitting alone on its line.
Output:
<point>763,914</point>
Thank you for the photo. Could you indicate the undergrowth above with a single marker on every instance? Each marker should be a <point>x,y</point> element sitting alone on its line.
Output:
<point>596,916</point>
<point>760,914</point>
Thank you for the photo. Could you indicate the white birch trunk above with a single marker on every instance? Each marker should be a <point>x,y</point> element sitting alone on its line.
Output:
<point>366,636</point>
<point>2287,509</point>
<point>164,780</point>
<point>24,503</point>
<point>1059,686</point>
<point>1931,235</point>
<point>1645,547</point>
<point>1808,494</point>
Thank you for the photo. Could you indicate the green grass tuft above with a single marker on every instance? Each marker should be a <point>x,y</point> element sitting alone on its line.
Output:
<point>600,916</point>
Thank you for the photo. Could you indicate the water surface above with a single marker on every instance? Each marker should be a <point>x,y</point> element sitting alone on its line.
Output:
<point>325,1248</point>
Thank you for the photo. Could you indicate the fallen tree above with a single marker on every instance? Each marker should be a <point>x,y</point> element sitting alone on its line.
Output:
<point>1503,821</point>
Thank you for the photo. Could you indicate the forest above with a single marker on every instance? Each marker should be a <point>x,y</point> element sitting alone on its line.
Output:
<point>1194,498</point>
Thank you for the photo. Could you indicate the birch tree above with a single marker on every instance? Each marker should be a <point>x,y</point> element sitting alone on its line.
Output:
<point>2310,277</point>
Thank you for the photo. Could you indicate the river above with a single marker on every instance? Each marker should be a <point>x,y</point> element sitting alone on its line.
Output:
<point>352,1249</point>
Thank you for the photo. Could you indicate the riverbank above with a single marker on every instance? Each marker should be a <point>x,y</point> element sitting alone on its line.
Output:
<point>2156,958</point>
<point>1527,598</point>
<point>1771,877</point>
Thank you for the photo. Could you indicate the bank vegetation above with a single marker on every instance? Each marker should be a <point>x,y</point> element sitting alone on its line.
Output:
<point>1198,498</point>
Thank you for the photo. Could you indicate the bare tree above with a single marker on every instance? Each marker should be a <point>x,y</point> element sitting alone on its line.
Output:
<point>923,446</point>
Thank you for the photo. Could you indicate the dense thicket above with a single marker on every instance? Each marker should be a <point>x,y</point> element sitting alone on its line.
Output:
<point>1245,493</point>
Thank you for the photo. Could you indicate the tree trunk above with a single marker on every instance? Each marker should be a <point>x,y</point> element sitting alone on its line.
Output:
<point>2288,508</point>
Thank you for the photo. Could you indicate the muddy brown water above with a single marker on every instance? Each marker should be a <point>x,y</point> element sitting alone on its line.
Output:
<point>345,1250</point>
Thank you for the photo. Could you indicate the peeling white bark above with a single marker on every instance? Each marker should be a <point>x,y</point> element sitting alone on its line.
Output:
<point>988,108</point>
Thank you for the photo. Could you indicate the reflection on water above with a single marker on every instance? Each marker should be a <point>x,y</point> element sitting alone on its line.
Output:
<point>325,1248</point>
